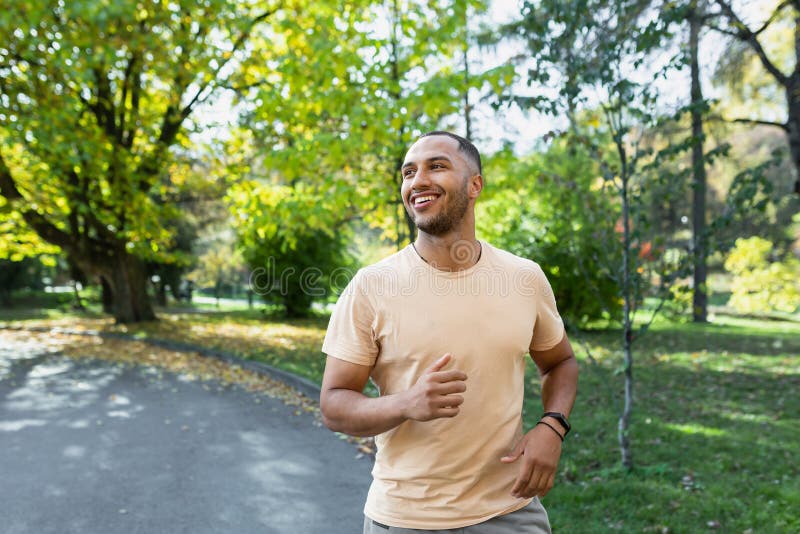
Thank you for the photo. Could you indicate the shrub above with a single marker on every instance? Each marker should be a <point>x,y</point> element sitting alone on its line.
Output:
<point>760,285</point>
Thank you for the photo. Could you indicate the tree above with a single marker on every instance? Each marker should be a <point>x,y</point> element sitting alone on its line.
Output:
<point>96,103</point>
<point>167,272</point>
<point>562,224</point>
<point>26,272</point>
<point>219,266</point>
<point>697,106</point>
<point>292,262</point>
<point>360,80</point>
<point>760,285</point>
<point>603,52</point>
<point>728,22</point>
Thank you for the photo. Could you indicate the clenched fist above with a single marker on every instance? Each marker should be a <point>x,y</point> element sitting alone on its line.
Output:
<point>436,394</point>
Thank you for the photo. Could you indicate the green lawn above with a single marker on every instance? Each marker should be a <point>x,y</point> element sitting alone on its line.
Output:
<point>715,432</point>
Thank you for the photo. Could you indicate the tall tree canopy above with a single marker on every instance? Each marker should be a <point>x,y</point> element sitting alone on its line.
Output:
<point>358,81</point>
<point>96,101</point>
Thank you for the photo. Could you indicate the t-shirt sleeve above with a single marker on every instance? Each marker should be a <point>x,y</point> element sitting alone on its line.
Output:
<point>350,336</point>
<point>548,328</point>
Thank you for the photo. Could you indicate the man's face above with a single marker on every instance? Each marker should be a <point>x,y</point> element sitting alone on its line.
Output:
<point>436,184</point>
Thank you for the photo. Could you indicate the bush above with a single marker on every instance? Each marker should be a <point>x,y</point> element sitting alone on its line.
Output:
<point>26,273</point>
<point>295,276</point>
<point>551,208</point>
<point>759,285</point>
<point>286,236</point>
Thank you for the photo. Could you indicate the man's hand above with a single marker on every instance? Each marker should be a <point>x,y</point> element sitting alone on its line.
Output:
<point>540,450</point>
<point>436,393</point>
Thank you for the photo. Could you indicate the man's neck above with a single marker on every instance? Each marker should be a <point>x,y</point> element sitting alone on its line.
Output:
<point>454,251</point>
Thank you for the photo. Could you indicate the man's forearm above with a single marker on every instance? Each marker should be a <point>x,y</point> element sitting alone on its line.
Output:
<point>353,413</point>
<point>560,386</point>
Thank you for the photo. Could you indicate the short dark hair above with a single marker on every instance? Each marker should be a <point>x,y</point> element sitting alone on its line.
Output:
<point>463,146</point>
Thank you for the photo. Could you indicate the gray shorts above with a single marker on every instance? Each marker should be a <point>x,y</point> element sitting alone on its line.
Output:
<point>531,519</point>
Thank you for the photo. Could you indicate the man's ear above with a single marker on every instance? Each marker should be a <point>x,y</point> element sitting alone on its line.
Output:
<point>475,186</point>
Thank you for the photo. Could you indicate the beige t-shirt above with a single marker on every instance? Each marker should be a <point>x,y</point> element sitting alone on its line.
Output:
<point>399,316</point>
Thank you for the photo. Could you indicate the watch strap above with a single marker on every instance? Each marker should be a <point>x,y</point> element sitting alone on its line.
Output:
<point>562,420</point>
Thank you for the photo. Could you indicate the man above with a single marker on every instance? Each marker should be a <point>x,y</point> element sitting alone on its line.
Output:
<point>442,328</point>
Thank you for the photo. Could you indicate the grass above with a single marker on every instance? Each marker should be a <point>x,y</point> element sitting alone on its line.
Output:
<point>715,427</point>
<point>715,433</point>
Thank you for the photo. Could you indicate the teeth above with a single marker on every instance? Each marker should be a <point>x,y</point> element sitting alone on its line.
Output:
<point>419,200</point>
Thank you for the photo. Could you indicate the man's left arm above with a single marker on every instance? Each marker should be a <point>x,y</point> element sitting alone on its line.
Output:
<point>540,449</point>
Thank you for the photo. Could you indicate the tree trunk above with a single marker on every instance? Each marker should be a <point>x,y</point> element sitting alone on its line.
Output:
<point>790,83</point>
<point>78,304</point>
<point>793,103</point>
<point>793,99</point>
<point>467,105</point>
<point>175,291</point>
<point>128,282</point>
<point>5,297</point>
<point>625,418</point>
<point>627,330</point>
<point>106,296</point>
<point>700,296</point>
<point>161,293</point>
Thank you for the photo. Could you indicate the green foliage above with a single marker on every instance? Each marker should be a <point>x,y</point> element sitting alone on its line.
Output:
<point>358,82</point>
<point>18,274</point>
<point>761,285</point>
<point>297,277</point>
<point>753,190</point>
<point>17,240</point>
<point>180,257</point>
<point>553,207</point>
<point>610,52</point>
<point>221,265</point>
<point>95,105</point>
<point>292,243</point>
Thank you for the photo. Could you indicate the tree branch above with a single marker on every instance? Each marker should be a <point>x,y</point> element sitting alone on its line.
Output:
<point>236,46</point>
<point>44,228</point>
<point>744,120</point>
<point>128,82</point>
<point>746,35</point>
<point>772,17</point>
<point>103,108</point>
<point>174,117</point>
<point>724,31</point>
<point>240,89</point>
<point>136,92</point>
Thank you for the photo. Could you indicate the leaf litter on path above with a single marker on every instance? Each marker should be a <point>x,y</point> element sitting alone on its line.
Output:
<point>187,365</point>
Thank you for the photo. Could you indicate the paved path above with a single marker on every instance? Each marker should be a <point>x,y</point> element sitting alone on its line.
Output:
<point>96,447</point>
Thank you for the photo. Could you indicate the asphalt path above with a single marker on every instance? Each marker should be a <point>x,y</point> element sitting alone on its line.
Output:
<point>88,446</point>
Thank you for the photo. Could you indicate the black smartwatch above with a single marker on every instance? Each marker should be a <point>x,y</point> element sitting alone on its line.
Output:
<point>561,418</point>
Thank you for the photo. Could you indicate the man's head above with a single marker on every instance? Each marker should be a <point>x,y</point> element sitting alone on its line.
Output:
<point>441,180</point>
<point>465,146</point>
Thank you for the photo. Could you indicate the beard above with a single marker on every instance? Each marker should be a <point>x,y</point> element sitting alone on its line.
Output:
<point>447,219</point>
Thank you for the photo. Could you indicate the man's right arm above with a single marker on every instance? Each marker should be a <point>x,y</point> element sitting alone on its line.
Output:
<point>346,409</point>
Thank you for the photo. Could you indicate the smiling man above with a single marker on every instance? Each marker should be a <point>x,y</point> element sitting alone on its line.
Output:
<point>443,328</point>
